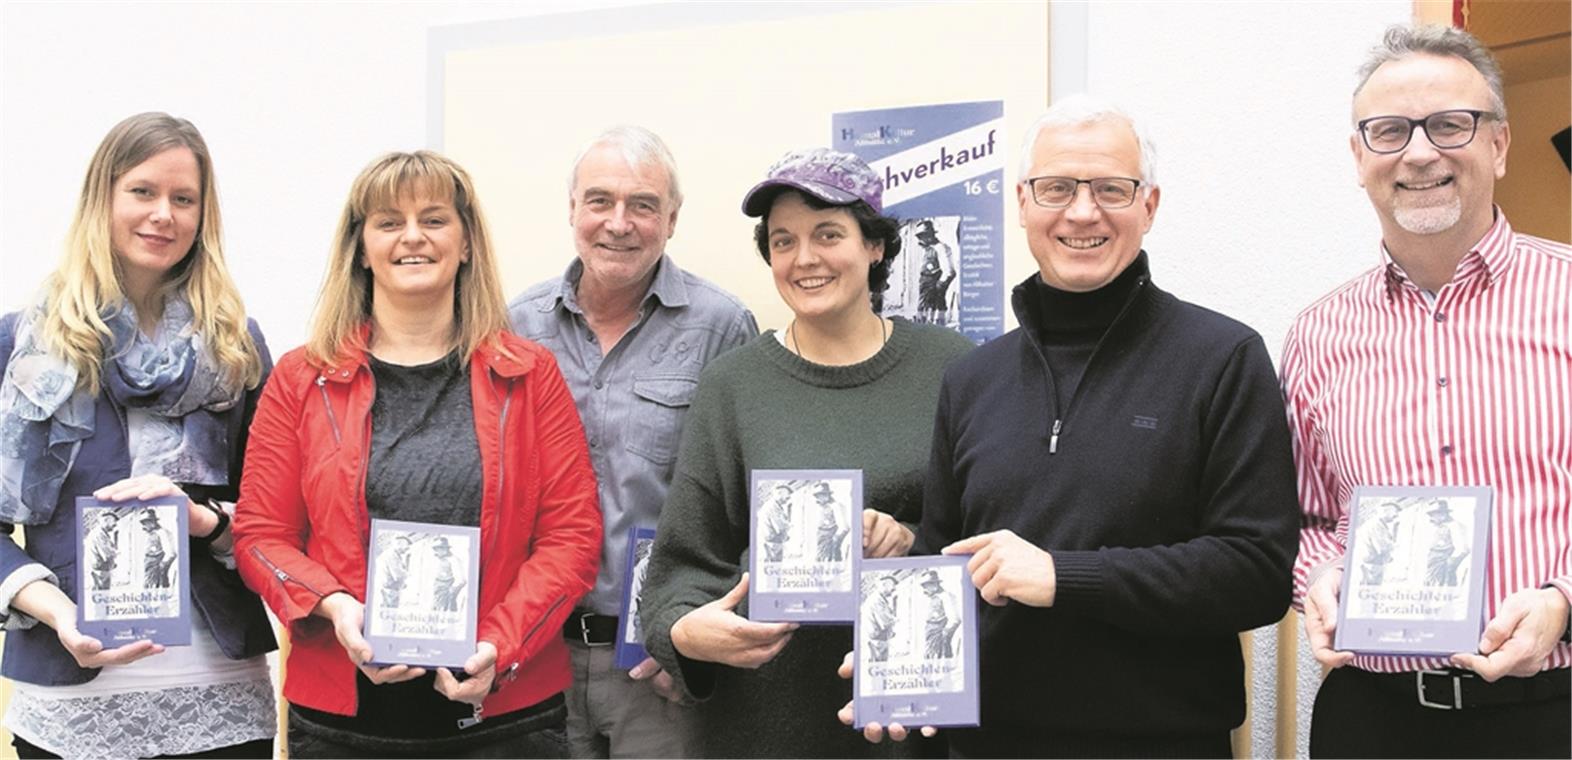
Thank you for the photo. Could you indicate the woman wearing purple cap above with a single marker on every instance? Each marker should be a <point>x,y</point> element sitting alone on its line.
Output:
<point>839,388</point>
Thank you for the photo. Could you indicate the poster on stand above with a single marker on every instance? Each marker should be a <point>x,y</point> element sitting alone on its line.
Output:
<point>943,172</point>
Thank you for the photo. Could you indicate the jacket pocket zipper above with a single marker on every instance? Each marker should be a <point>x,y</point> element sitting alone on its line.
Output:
<point>279,573</point>
<point>332,418</point>
<point>536,629</point>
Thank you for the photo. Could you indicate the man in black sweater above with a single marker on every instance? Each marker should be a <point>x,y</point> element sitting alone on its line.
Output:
<point>1120,466</point>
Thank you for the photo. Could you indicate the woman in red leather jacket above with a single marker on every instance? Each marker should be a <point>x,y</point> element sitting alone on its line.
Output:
<point>412,401</point>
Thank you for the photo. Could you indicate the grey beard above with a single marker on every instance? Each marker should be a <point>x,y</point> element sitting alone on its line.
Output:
<point>1429,220</point>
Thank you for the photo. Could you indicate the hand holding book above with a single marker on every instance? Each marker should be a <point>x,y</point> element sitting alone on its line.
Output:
<point>46,602</point>
<point>347,615</point>
<point>1520,637</point>
<point>1006,567</point>
<point>884,536</point>
<point>716,633</point>
<point>203,521</point>
<point>873,732</point>
<point>482,670</point>
<point>1321,618</point>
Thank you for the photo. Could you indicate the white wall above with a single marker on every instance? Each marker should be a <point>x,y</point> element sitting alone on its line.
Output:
<point>1248,102</point>
<point>293,99</point>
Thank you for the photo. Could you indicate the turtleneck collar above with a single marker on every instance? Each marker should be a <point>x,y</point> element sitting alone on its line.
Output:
<point>1065,314</point>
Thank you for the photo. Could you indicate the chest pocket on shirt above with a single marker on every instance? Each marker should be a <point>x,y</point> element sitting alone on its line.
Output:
<point>661,402</point>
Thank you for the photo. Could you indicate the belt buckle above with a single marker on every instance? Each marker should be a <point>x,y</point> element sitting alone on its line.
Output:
<point>1457,689</point>
<point>584,631</point>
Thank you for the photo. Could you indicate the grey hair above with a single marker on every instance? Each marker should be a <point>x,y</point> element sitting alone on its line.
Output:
<point>1403,40</point>
<point>639,147</point>
<point>1079,110</point>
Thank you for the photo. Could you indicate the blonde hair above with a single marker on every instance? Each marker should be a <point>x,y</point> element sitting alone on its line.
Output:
<point>344,306</point>
<point>78,295</point>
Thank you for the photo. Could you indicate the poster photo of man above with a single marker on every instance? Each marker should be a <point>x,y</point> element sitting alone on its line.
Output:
<point>925,278</point>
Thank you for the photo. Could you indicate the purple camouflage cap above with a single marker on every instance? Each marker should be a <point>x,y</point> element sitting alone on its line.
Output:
<point>829,175</point>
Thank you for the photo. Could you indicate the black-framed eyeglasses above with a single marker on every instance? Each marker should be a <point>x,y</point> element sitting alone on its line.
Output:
<point>1107,192</point>
<point>1446,130</point>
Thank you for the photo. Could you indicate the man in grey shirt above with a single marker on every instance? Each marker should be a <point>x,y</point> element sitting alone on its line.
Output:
<point>631,332</point>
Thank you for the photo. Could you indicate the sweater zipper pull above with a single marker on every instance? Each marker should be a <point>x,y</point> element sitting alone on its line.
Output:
<point>1053,440</point>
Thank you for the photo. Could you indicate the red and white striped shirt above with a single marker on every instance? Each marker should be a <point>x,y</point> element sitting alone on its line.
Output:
<point>1386,386</point>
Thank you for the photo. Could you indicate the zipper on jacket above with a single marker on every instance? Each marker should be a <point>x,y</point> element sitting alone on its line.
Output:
<point>279,573</point>
<point>542,621</point>
<point>364,513</point>
<point>1061,414</point>
<point>332,418</point>
<point>502,445</point>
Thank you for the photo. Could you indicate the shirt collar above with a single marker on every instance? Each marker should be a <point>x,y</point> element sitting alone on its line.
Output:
<point>1493,254</point>
<point>668,287</point>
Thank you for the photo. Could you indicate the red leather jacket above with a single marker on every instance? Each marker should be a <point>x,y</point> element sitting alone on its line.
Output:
<point>301,526</point>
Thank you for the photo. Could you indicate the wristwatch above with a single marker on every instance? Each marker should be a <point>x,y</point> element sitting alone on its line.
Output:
<point>218,530</point>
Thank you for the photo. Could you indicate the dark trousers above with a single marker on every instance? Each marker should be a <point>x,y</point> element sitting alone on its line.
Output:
<point>1363,714</point>
<point>261,749</point>
<point>967,743</point>
<point>540,735</point>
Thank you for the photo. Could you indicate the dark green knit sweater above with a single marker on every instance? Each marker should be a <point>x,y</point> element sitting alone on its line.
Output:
<point>759,407</point>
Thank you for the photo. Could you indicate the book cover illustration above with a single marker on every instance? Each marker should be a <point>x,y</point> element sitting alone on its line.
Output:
<point>422,582</point>
<point>630,638</point>
<point>133,580</point>
<point>805,543</point>
<point>916,643</point>
<point>1413,579</point>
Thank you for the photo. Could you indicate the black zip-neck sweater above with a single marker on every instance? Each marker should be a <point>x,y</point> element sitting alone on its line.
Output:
<point>1068,325</point>
<point>1164,491</point>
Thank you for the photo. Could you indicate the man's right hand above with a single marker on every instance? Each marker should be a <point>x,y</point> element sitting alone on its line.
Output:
<point>873,731</point>
<point>716,633</point>
<point>347,614</point>
<point>1321,619</point>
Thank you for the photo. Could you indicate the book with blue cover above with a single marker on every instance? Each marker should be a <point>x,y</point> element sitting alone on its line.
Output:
<point>916,643</point>
<point>133,572</point>
<point>422,583</point>
<point>630,639</point>
<point>804,545</point>
<point>1414,573</point>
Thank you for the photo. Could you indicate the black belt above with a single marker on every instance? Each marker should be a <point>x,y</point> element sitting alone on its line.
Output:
<point>1454,689</point>
<point>591,629</point>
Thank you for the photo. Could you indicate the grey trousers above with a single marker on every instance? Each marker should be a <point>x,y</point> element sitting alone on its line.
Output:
<point>610,715</point>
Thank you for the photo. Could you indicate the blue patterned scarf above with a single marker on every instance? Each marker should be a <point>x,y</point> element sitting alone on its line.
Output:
<point>44,417</point>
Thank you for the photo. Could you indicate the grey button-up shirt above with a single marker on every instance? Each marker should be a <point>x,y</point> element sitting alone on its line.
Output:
<point>634,399</point>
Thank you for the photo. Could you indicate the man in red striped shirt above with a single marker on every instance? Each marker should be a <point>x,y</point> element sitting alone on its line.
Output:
<point>1448,364</point>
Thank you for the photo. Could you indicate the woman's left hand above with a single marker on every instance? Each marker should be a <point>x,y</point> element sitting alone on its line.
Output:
<point>201,519</point>
<point>482,669</point>
<point>884,536</point>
